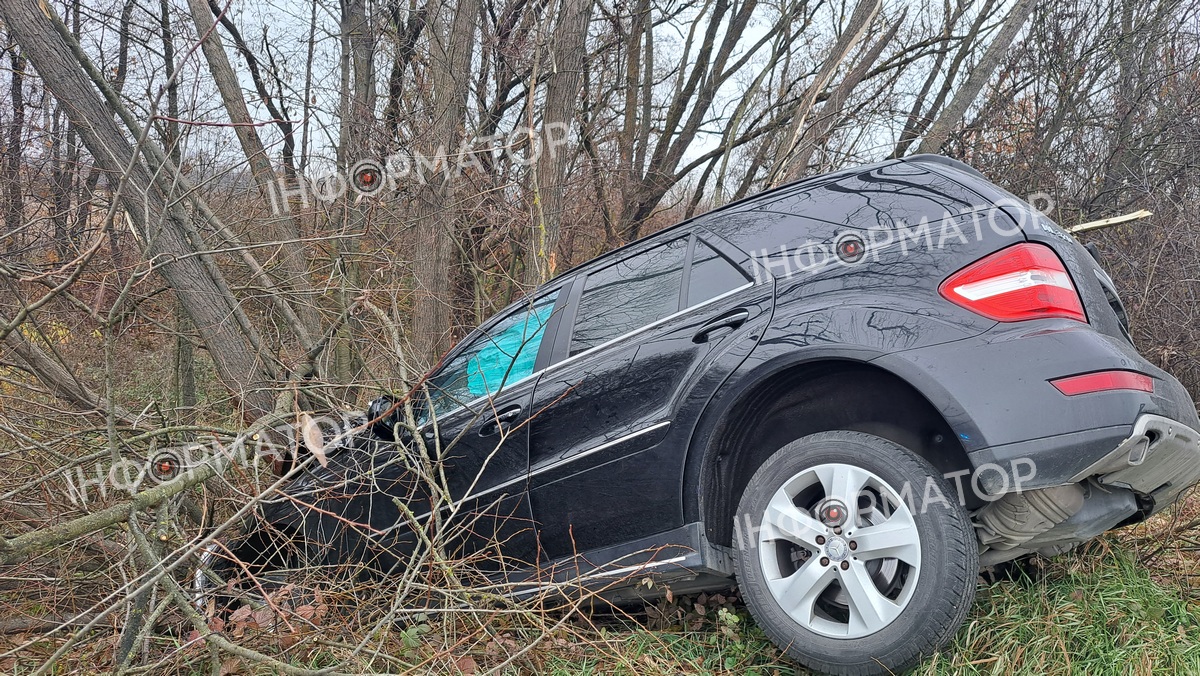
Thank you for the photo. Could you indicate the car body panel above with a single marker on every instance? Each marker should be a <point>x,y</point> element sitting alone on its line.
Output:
<point>609,436</point>
<point>605,461</point>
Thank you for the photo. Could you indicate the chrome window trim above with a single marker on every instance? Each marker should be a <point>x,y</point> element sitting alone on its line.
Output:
<point>651,325</point>
<point>601,346</point>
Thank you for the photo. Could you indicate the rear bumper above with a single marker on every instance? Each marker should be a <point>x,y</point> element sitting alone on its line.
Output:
<point>994,391</point>
<point>1160,458</point>
<point>1146,472</point>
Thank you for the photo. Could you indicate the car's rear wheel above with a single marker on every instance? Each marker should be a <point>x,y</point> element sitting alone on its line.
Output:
<point>853,554</point>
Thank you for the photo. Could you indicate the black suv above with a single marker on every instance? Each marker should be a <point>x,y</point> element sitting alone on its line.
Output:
<point>848,394</point>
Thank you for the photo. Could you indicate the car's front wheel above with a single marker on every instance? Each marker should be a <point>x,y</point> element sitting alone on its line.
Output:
<point>255,568</point>
<point>853,555</point>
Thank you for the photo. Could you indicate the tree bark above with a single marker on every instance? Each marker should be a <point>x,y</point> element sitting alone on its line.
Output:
<point>939,131</point>
<point>817,134</point>
<point>567,54</point>
<point>163,228</point>
<point>276,105</point>
<point>436,225</point>
<point>55,377</point>
<point>14,205</point>
<point>293,268</point>
<point>920,117</point>
<point>860,20</point>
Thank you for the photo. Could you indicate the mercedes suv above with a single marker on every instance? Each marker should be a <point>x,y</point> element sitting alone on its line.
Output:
<point>847,394</point>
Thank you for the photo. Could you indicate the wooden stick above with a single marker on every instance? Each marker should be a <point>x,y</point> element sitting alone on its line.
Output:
<point>1107,222</point>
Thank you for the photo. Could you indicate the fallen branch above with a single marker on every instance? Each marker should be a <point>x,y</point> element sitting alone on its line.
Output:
<point>24,625</point>
<point>184,604</point>
<point>21,547</point>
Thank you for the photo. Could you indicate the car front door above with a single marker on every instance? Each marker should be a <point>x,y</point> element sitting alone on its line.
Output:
<point>642,341</point>
<point>474,424</point>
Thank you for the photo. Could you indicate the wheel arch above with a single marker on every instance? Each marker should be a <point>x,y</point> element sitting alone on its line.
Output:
<point>792,397</point>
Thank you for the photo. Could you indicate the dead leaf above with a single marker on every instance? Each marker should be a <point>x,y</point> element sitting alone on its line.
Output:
<point>467,665</point>
<point>313,440</point>
<point>263,617</point>
<point>231,666</point>
<point>284,593</point>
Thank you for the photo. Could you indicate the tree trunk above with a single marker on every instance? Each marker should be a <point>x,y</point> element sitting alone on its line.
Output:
<point>54,376</point>
<point>817,134</point>
<point>939,131</point>
<point>452,41</point>
<point>293,268</point>
<point>920,117</point>
<point>14,204</point>
<point>567,54</point>
<point>860,20</point>
<point>163,229</point>
<point>184,380</point>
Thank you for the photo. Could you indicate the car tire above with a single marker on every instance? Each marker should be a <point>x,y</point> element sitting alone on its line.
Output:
<point>249,568</point>
<point>854,587</point>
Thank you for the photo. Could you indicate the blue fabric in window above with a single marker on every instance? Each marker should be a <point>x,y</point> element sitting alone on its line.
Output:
<point>508,354</point>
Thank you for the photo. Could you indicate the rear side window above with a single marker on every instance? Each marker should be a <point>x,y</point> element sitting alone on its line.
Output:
<point>712,275</point>
<point>626,296</point>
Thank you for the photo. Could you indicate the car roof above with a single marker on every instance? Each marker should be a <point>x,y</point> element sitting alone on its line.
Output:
<point>745,204</point>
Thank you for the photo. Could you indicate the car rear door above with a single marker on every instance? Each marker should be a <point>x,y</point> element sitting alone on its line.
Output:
<point>640,346</point>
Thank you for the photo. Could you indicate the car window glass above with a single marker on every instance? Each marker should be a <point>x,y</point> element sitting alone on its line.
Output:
<point>503,355</point>
<point>629,295</point>
<point>711,275</point>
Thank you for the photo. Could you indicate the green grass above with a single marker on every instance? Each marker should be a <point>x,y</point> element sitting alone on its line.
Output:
<point>636,651</point>
<point>1096,612</point>
<point>1091,613</point>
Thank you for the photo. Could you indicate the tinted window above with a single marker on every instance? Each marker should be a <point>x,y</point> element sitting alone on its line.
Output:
<point>712,275</point>
<point>503,355</point>
<point>628,295</point>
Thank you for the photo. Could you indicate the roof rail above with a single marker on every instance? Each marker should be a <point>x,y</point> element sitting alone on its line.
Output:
<point>946,161</point>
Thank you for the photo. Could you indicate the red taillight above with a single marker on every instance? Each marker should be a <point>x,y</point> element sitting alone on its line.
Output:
<point>1024,281</point>
<point>1103,381</point>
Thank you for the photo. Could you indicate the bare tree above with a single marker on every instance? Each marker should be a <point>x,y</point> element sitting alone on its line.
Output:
<point>566,55</point>
<point>940,129</point>
<point>14,204</point>
<point>293,267</point>
<point>856,28</point>
<point>436,212</point>
<point>162,226</point>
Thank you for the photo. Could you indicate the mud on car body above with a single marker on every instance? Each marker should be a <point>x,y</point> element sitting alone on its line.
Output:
<point>847,393</point>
